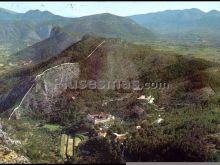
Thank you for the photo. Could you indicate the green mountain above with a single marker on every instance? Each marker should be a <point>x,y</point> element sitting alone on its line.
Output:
<point>58,41</point>
<point>108,25</point>
<point>118,59</point>
<point>189,25</point>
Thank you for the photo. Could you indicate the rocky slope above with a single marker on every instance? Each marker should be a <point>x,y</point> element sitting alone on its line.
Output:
<point>58,41</point>
<point>7,155</point>
<point>46,89</point>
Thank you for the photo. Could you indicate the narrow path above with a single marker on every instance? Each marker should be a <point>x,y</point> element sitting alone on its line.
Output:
<point>20,102</point>
<point>57,66</point>
<point>96,48</point>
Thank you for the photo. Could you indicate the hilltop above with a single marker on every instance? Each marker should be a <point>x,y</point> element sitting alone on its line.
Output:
<point>118,59</point>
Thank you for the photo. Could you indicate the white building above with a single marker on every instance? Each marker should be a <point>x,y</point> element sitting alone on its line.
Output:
<point>100,118</point>
<point>149,99</point>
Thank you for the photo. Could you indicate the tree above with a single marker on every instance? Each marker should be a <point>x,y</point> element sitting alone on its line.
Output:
<point>101,151</point>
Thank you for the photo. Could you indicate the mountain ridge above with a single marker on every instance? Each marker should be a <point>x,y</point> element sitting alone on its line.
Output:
<point>189,25</point>
<point>58,41</point>
<point>23,29</point>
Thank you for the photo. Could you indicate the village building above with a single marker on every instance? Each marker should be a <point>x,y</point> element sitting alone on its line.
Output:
<point>98,118</point>
<point>149,99</point>
<point>120,137</point>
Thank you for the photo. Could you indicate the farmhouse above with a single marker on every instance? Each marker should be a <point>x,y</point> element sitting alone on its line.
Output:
<point>98,118</point>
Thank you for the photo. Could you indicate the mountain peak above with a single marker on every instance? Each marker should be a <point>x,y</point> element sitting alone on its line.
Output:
<point>40,15</point>
<point>214,12</point>
<point>33,11</point>
<point>103,15</point>
<point>2,10</point>
<point>38,12</point>
<point>194,10</point>
<point>107,14</point>
<point>191,11</point>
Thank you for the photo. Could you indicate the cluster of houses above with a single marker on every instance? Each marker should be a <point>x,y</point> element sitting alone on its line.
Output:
<point>69,144</point>
<point>103,120</point>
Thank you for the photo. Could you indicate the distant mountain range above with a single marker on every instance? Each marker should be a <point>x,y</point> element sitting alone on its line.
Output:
<point>25,29</point>
<point>190,25</point>
<point>20,30</point>
<point>28,35</point>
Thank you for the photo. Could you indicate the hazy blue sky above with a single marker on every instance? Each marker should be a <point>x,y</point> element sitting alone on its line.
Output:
<point>73,9</point>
